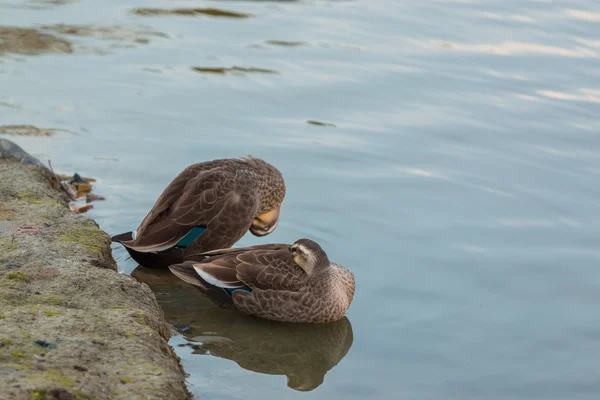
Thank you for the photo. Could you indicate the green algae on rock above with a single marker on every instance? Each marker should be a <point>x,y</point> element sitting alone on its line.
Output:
<point>71,326</point>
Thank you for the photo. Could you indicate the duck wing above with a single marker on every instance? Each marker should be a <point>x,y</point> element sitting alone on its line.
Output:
<point>204,195</point>
<point>270,269</point>
<point>239,250</point>
<point>217,276</point>
<point>275,286</point>
<point>256,267</point>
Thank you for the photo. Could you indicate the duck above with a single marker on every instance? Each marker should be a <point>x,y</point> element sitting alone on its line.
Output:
<point>209,205</point>
<point>281,282</point>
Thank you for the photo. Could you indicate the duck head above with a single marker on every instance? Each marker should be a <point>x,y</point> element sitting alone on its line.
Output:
<point>272,193</point>
<point>265,223</point>
<point>309,255</point>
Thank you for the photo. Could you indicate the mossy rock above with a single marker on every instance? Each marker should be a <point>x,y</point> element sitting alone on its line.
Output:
<point>71,326</point>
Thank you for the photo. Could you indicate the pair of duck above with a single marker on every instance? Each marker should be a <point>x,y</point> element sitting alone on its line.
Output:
<point>206,209</point>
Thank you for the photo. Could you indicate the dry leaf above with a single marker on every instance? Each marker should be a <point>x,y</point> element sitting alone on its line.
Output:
<point>81,208</point>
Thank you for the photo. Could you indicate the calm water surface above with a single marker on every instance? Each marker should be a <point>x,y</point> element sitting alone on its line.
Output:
<point>458,178</point>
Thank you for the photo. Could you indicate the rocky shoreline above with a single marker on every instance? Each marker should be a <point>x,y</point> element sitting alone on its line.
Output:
<point>71,326</point>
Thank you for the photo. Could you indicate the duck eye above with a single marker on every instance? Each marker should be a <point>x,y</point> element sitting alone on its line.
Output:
<point>293,249</point>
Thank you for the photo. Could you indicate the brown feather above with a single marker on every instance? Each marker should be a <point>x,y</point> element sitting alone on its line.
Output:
<point>222,195</point>
<point>168,197</point>
<point>187,273</point>
<point>224,274</point>
<point>282,290</point>
<point>270,246</point>
<point>158,237</point>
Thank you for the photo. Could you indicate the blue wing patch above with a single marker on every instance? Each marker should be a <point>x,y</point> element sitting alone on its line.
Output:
<point>230,290</point>
<point>190,237</point>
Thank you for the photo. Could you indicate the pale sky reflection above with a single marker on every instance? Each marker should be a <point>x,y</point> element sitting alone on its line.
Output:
<point>538,222</point>
<point>513,48</point>
<point>584,15</point>
<point>585,95</point>
<point>514,17</point>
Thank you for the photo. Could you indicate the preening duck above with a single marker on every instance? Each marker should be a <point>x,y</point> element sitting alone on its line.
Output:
<point>208,206</point>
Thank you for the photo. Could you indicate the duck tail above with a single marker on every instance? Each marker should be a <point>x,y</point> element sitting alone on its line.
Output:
<point>149,259</point>
<point>122,237</point>
<point>186,272</point>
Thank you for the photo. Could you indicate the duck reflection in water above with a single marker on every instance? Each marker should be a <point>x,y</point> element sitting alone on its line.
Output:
<point>302,352</point>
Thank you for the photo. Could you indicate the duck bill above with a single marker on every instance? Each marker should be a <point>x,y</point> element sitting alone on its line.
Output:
<point>265,223</point>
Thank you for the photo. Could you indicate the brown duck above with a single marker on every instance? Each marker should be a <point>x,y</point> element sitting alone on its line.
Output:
<point>208,206</point>
<point>281,282</point>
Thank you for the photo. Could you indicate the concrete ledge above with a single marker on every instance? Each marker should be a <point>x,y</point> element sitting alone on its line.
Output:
<point>71,327</point>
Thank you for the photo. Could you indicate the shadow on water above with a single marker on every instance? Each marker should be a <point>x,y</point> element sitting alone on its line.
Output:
<point>26,41</point>
<point>212,12</point>
<point>51,3</point>
<point>30,42</point>
<point>36,4</point>
<point>141,35</point>
<point>29,130</point>
<point>286,43</point>
<point>319,123</point>
<point>303,353</point>
<point>232,70</point>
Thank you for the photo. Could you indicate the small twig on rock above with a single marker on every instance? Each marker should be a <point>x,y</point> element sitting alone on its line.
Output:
<point>66,187</point>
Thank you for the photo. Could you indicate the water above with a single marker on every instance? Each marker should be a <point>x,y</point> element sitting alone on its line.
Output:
<point>459,181</point>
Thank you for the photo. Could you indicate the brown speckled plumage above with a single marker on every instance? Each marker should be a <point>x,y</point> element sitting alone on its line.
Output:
<point>289,283</point>
<point>224,196</point>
